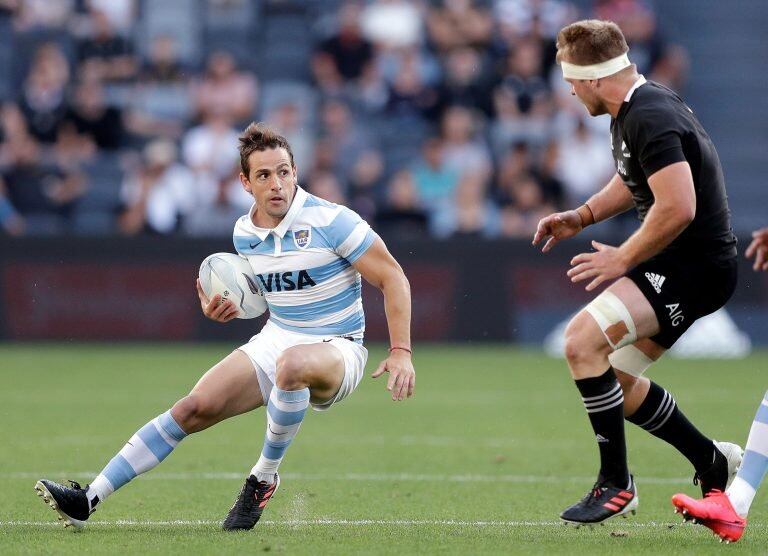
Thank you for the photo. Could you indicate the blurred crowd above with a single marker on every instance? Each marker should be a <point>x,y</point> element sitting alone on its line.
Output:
<point>431,117</point>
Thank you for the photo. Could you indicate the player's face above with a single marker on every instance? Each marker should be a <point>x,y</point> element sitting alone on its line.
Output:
<point>271,181</point>
<point>586,93</point>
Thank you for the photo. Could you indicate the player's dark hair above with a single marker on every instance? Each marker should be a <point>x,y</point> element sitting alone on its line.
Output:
<point>258,136</point>
<point>590,41</point>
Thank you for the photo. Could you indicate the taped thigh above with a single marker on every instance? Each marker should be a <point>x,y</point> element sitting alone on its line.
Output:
<point>614,319</point>
<point>630,360</point>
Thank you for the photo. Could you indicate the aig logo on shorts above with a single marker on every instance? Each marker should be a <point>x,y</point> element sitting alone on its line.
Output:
<point>675,313</point>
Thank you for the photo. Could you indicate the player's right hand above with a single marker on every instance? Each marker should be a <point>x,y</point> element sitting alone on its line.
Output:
<point>214,308</point>
<point>759,249</point>
<point>557,227</point>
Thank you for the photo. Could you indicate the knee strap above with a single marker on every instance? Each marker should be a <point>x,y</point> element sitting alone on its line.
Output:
<point>614,319</point>
<point>630,360</point>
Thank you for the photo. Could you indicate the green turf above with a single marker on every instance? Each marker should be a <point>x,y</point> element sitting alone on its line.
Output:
<point>494,435</point>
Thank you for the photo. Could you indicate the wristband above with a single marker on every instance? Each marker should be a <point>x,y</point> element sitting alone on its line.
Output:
<point>403,348</point>
<point>586,215</point>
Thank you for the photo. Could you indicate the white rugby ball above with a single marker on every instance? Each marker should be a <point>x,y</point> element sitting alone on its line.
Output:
<point>231,277</point>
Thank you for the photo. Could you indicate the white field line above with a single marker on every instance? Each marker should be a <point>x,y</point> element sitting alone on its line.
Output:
<point>373,477</point>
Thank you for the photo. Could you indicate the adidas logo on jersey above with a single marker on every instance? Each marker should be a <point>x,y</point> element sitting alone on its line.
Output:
<point>656,280</point>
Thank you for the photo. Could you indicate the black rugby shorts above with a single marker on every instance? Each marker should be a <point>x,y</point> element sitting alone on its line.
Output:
<point>683,288</point>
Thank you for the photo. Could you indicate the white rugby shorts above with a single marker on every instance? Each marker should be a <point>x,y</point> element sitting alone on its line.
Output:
<point>266,346</point>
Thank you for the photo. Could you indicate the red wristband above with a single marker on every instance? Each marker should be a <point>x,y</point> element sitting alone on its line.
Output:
<point>403,348</point>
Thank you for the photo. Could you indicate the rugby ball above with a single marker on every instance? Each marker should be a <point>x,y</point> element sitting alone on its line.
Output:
<point>231,277</point>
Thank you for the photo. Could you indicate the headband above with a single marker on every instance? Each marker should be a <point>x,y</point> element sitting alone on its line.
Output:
<point>595,71</point>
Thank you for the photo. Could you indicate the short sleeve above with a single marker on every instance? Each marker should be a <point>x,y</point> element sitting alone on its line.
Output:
<point>654,136</point>
<point>350,236</point>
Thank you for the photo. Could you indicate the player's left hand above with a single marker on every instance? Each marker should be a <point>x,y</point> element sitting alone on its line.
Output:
<point>604,264</point>
<point>758,248</point>
<point>402,376</point>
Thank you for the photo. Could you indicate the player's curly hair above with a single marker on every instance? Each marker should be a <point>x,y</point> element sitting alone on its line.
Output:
<point>258,136</point>
<point>590,41</point>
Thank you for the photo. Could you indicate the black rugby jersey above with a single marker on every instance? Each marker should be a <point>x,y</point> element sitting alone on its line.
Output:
<point>654,129</point>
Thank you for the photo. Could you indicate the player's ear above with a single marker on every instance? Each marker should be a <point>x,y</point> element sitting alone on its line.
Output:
<point>245,183</point>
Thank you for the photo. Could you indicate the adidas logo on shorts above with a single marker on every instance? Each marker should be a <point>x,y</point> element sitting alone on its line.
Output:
<point>656,280</point>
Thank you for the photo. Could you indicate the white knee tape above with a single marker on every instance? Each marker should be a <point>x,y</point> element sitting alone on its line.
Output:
<point>630,360</point>
<point>614,320</point>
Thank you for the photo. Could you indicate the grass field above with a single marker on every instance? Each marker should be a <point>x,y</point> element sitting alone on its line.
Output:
<point>482,460</point>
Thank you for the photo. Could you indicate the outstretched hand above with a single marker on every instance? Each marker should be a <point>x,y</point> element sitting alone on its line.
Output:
<point>604,264</point>
<point>557,227</point>
<point>759,249</point>
<point>402,376</point>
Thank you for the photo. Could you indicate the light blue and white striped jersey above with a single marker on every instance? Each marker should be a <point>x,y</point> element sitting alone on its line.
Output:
<point>304,268</point>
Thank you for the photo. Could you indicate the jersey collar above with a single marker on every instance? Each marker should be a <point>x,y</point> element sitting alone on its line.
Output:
<point>640,81</point>
<point>285,223</point>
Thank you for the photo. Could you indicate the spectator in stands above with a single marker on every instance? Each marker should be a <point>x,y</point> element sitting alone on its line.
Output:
<point>347,49</point>
<point>402,214</point>
<point>459,23</point>
<point>163,66</point>
<point>106,54</point>
<point>467,81</point>
<point>518,18</point>
<point>345,138</point>
<point>525,208</point>
<point>326,186</point>
<point>160,103</point>
<point>468,213</point>
<point>434,179</point>
<point>43,97</point>
<point>91,116</point>
<point>392,24</point>
<point>44,14</point>
<point>365,184</point>
<point>37,189</point>
<point>225,87</point>
<point>584,165</point>
<point>156,195</point>
<point>463,148</point>
<point>409,96</point>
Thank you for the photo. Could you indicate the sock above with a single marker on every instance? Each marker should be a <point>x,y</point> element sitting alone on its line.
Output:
<point>753,467</point>
<point>604,402</point>
<point>660,416</point>
<point>148,447</point>
<point>285,412</point>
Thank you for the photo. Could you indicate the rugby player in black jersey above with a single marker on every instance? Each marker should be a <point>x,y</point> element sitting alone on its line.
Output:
<point>677,267</point>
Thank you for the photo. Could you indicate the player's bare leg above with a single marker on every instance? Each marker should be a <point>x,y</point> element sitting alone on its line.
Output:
<point>304,373</point>
<point>229,388</point>
<point>618,317</point>
<point>652,408</point>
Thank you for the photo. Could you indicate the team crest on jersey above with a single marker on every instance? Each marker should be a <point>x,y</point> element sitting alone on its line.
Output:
<point>302,237</point>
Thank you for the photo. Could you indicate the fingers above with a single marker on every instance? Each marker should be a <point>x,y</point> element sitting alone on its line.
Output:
<point>581,258</point>
<point>578,269</point>
<point>551,242</point>
<point>594,283</point>
<point>541,232</point>
<point>380,370</point>
<point>400,387</point>
<point>411,385</point>
<point>200,293</point>
<point>598,246</point>
<point>752,249</point>
<point>218,309</point>
<point>761,260</point>
<point>585,274</point>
